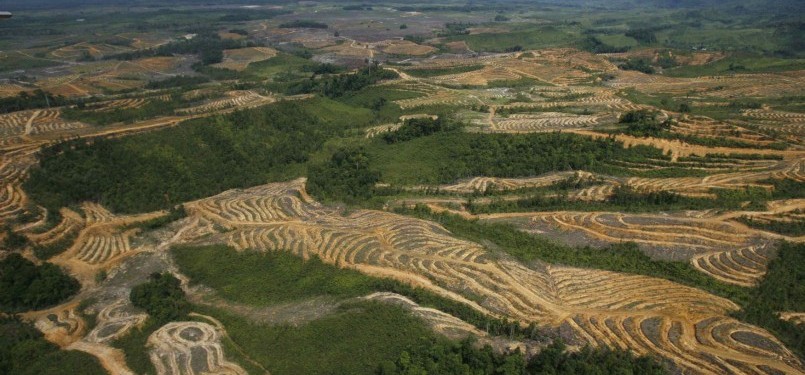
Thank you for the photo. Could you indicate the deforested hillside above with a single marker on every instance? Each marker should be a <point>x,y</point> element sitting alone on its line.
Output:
<point>509,187</point>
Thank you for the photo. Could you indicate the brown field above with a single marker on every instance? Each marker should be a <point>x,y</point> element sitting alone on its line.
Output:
<point>691,58</point>
<point>101,239</point>
<point>145,40</point>
<point>239,59</point>
<point>457,47</point>
<point>402,47</point>
<point>95,77</point>
<point>10,89</point>
<point>768,85</point>
<point>232,99</point>
<point>228,35</point>
<point>351,49</point>
<point>75,51</point>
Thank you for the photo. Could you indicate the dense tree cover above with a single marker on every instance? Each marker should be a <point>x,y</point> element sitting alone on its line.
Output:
<point>420,127</point>
<point>448,156</point>
<point>418,39</point>
<point>32,100</point>
<point>307,24</point>
<point>439,357</point>
<point>357,7</point>
<point>174,213</point>
<point>240,15</point>
<point>794,227</point>
<point>157,170</point>
<point>26,286</point>
<point>554,360</point>
<point>432,356</point>
<point>161,297</point>
<point>644,36</point>
<point>24,351</point>
<point>182,81</point>
<point>639,64</point>
<point>239,32</point>
<point>644,123</point>
<point>786,188</point>
<point>346,175</point>
<point>426,73</point>
<point>595,45</point>
<point>625,198</point>
<point>667,60</point>
<point>339,85</point>
<point>455,28</point>
<point>45,252</point>
<point>13,240</point>
<point>782,289</point>
<point>208,45</point>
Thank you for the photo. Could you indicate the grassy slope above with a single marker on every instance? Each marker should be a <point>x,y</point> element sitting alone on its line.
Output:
<point>262,279</point>
<point>355,340</point>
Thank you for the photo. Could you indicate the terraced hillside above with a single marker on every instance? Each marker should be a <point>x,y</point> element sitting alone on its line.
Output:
<point>444,201</point>
<point>688,326</point>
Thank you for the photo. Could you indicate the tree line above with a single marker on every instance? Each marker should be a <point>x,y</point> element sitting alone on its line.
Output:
<point>36,99</point>
<point>208,45</point>
<point>26,286</point>
<point>202,157</point>
<point>335,86</point>
<point>420,127</point>
<point>25,351</point>
<point>432,356</point>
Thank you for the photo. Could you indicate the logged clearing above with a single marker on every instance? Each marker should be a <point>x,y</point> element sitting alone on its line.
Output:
<point>102,241</point>
<point>78,50</point>
<point>238,99</point>
<point>726,86</point>
<point>482,184</point>
<point>404,47</point>
<point>14,166</point>
<point>190,348</point>
<point>239,59</point>
<point>115,320</point>
<point>724,250</point>
<point>10,89</point>
<point>550,90</point>
<point>107,75</point>
<point>677,148</point>
<point>34,122</point>
<point>688,326</point>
